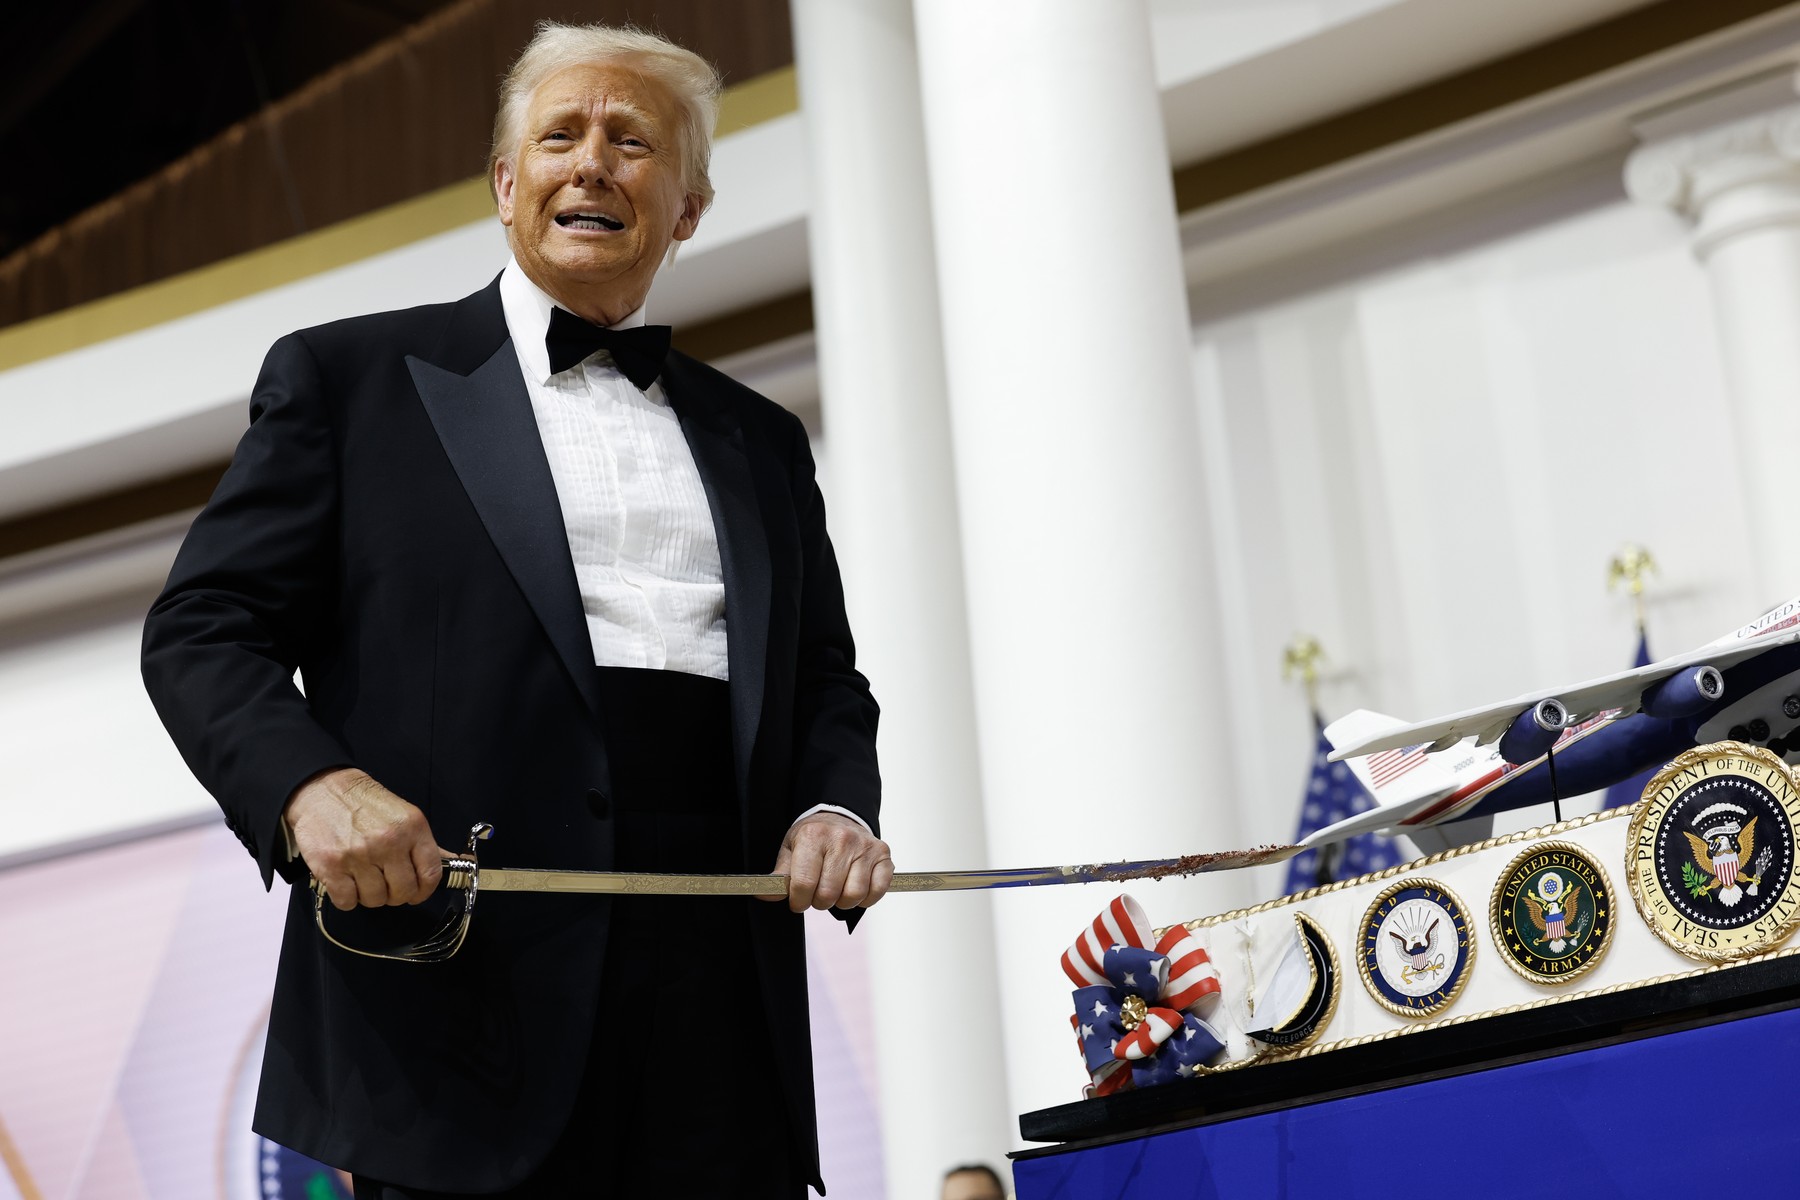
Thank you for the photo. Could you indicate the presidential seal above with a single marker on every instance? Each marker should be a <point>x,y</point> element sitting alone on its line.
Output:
<point>1416,948</point>
<point>1552,912</point>
<point>1710,853</point>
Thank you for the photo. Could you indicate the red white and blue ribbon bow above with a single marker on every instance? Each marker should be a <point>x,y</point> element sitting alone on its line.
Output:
<point>1141,1002</point>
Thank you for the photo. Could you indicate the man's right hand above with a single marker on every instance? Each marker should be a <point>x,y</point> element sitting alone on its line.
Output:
<point>365,844</point>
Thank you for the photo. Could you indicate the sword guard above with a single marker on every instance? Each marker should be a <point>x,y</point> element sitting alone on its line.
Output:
<point>464,871</point>
<point>462,874</point>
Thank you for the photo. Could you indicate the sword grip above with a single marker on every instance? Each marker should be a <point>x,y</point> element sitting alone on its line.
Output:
<point>459,873</point>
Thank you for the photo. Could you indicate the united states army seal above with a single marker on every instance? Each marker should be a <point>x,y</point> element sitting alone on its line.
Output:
<point>1416,948</point>
<point>1552,912</point>
<point>1710,852</point>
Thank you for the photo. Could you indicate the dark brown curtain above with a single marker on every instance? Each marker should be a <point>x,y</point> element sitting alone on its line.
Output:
<point>413,114</point>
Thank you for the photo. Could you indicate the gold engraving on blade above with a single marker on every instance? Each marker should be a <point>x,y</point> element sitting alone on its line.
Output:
<point>917,882</point>
<point>706,885</point>
<point>1658,910</point>
<point>636,884</point>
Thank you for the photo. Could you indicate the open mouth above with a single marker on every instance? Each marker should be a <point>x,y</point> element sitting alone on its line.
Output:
<point>589,220</point>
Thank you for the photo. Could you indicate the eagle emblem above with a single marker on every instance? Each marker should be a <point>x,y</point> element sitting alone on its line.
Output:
<point>1552,912</point>
<point>1550,909</point>
<point>1710,852</point>
<point>1725,854</point>
<point>1415,947</point>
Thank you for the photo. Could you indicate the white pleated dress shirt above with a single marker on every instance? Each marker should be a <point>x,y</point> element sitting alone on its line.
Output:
<point>640,530</point>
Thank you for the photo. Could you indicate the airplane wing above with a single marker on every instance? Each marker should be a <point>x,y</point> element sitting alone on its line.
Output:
<point>1474,781</point>
<point>1778,627</point>
<point>1368,821</point>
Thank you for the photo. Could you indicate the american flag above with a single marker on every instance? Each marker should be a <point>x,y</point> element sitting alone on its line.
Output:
<point>1630,791</point>
<point>1390,765</point>
<point>1332,794</point>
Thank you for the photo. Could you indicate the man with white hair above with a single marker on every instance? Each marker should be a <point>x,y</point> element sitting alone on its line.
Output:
<point>535,569</point>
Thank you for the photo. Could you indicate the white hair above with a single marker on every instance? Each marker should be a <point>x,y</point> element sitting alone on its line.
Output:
<point>556,47</point>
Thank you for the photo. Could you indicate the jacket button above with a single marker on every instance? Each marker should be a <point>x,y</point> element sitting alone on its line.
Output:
<point>598,804</point>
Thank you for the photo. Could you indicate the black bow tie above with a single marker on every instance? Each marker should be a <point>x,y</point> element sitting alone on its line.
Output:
<point>639,352</point>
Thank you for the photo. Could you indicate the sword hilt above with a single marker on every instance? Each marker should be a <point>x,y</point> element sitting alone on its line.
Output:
<point>462,874</point>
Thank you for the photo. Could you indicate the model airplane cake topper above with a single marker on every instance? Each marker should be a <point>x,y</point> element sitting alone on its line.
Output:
<point>1562,742</point>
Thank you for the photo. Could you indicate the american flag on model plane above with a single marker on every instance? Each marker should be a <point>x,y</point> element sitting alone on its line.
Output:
<point>1390,765</point>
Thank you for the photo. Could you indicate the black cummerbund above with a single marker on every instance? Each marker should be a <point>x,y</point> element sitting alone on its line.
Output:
<point>668,740</point>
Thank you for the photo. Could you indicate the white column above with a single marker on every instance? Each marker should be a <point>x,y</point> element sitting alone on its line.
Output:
<point>1730,163</point>
<point>943,1086</point>
<point>1092,615</point>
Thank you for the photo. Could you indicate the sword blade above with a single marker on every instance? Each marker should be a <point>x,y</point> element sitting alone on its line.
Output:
<point>627,883</point>
<point>630,883</point>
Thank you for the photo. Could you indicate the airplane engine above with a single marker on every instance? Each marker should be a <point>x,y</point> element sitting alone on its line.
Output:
<point>1534,731</point>
<point>1684,693</point>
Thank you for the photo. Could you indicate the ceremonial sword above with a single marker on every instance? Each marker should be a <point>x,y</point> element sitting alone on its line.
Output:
<point>463,873</point>
<point>460,874</point>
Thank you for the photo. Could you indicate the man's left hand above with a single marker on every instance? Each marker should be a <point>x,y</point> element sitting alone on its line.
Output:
<point>830,860</point>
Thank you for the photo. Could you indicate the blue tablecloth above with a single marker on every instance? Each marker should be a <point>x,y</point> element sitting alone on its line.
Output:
<point>1694,1113</point>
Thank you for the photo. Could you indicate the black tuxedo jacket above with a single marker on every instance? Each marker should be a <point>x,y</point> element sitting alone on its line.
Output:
<point>389,527</point>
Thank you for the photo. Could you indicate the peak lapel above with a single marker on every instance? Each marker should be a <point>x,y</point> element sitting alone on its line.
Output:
<point>487,428</point>
<point>716,438</point>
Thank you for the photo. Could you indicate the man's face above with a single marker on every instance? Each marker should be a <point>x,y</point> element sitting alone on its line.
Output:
<point>593,193</point>
<point>971,1185</point>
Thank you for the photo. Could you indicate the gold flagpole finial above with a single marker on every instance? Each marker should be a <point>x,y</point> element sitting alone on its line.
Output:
<point>1302,657</point>
<point>1630,566</point>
